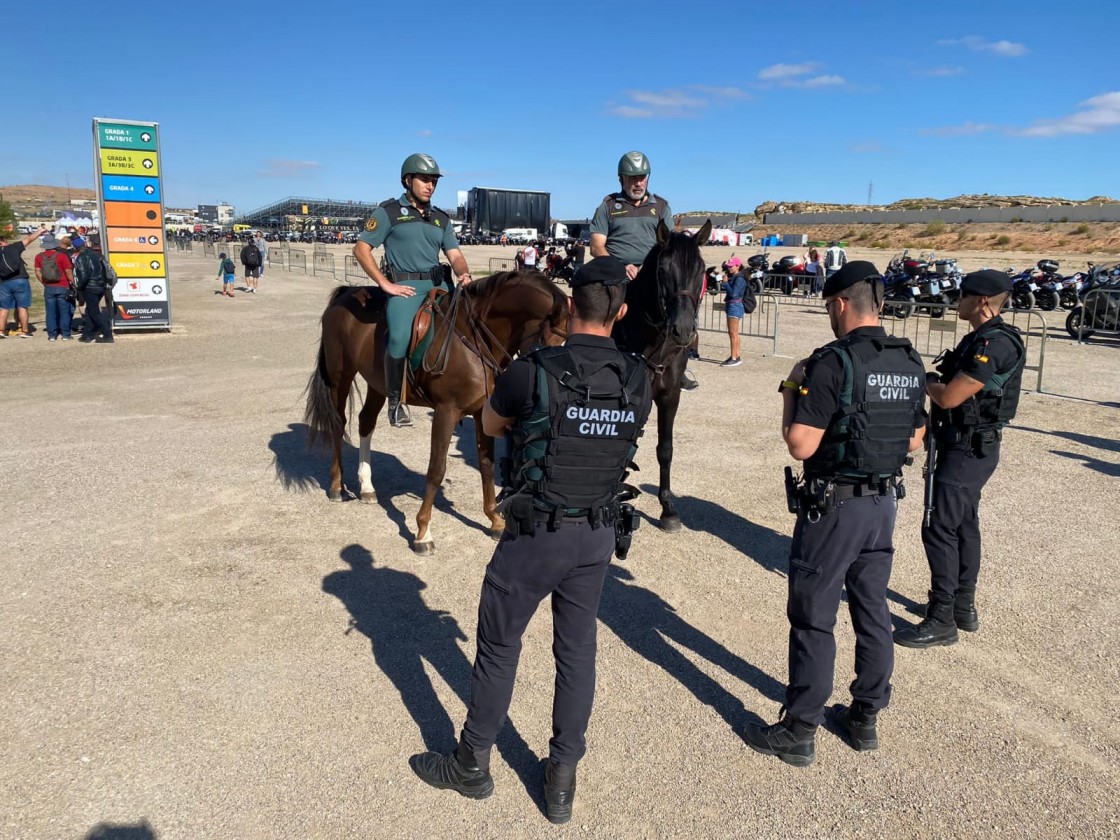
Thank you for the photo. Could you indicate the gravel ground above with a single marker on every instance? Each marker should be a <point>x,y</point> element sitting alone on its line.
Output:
<point>201,644</point>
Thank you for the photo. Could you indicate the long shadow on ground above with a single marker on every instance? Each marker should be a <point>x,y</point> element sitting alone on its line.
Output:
<point>386,606</point>
<point>300,470</point>
<point>646,623</point>
<point>1108,444</point>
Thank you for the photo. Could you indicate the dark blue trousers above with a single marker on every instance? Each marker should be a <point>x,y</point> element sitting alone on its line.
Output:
<point>851,548</point>
<point>952,540</point>
<point>570,564</point>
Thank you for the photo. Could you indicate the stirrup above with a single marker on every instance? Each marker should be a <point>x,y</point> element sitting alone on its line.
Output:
<point>399,416</point>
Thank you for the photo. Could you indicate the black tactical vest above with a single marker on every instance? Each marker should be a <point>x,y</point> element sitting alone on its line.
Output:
<point>572,454</point>
<point>998,401</point>
<point>868,438</point>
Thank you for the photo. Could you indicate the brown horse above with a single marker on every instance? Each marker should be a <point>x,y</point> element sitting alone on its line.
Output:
<point>493,319</point>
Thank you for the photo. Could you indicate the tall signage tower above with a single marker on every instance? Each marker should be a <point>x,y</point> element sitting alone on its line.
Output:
<point>133,238</point>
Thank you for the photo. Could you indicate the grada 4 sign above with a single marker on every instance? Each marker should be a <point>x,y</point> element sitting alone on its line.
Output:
<point>131,201</point>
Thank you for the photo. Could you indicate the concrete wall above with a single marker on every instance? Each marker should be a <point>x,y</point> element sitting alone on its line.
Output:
<point>1053,213</point>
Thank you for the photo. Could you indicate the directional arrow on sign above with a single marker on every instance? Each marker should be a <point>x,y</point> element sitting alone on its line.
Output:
<point>157,290</point>
<point>152,240</point>
<point>154,265</point>
<point>145,137</point>
<point>147,163</point>
<point>150,190</point>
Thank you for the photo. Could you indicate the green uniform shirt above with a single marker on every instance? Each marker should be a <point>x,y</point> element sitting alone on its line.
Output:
<point>411,243</point>
<point>631,230</point>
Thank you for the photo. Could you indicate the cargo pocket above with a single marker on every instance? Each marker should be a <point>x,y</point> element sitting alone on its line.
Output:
<point>496,583</point>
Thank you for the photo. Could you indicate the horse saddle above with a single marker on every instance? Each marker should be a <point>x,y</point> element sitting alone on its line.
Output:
<point>421,338</point>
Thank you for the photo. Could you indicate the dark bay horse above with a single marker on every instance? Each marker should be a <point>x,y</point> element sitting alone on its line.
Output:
<point>660,323</point>
<point>494,318</point>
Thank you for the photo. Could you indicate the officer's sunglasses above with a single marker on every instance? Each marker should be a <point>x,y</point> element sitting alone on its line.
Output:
<point>831,301</point>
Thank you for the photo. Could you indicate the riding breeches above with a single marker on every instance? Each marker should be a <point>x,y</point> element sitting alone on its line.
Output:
<point>400,313</point>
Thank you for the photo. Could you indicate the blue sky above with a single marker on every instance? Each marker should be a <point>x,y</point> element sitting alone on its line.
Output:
<point>734,103</point>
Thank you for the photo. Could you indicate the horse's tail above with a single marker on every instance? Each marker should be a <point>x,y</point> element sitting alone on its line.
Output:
<point>324,425</point>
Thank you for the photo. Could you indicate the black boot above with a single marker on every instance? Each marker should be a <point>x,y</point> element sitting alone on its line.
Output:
<point>857,722</point>
<point>793,741</point>
<point>394,382</point>
<point>559,791</point>
<point>964,608</point>
<point>937,628</point>
<point>461,772</point>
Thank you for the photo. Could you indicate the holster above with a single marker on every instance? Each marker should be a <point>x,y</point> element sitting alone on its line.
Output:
<point>625,524</point>
<point>520,516</point>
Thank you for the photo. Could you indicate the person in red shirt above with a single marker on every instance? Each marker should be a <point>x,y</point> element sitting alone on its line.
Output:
<point>55,271</point>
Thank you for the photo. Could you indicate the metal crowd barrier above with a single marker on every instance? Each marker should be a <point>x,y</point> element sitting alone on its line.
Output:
<point>322,263</point>
<point>354,274</point>
<point>209,249</point>
<point>502,264</point>
<point>931,336</point>
<point>762,323</point>
<point>1101,306</point>
<point>296,258</point>
<point>276,257</point>
<point>320,248</point>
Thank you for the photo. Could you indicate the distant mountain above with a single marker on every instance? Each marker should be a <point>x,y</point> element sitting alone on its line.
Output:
<point>40,194</point>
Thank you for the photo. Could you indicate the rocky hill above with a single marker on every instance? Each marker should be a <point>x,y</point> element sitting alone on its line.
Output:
<point>982,200</point>
<point>37,194</point>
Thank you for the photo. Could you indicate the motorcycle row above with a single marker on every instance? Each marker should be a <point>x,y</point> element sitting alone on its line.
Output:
<point>928,284</point>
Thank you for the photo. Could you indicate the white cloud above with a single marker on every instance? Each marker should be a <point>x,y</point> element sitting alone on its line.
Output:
<point>777,72</point>
<point>958,130</point>
<point>820,81</point>
<point>687,101</point>
<point>1101,113</point>
<point>283,168</point>
<point>939,72</point>
<point>1007,49</point>
<point>425,132</point>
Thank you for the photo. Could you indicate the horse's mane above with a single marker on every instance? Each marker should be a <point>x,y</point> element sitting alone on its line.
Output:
<point>496,283</point>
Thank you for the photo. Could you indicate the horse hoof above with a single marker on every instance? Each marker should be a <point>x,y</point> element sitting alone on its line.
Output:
<point>671,523</point>
<point>335,495</point>
<point>496,533</point>
<point>424,549</point>
<point>368,497</point>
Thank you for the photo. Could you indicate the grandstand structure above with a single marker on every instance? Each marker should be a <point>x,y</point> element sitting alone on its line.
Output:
<point>298,214</point>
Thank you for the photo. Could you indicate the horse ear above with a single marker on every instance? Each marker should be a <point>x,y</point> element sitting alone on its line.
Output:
<point>705,233</point>
<point>662,232</point>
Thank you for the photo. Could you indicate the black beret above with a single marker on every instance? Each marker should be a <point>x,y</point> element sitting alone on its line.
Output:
<point>610,271</point>
<point>848,275</point>
<point>986,282</point>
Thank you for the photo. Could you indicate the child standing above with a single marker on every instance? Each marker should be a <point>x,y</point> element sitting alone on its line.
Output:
<point>227,273</point>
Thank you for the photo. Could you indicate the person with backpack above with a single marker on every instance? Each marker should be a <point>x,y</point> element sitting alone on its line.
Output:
<point>852,412</point>
<point>251,259</point>
<point>94,279</point>
<point>15,284</point>
<point>835,258</point>
<point>55,271</point>
<point>262,247</point>
<point>739,301</point>
<point>227,273</point>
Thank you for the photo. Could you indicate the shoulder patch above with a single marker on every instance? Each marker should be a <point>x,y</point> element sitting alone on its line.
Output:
<point>371,224</point>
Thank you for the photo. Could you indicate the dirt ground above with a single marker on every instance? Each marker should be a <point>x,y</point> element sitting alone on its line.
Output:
<point>198,644</point>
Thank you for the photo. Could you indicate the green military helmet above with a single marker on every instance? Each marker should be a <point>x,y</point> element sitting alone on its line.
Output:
<point>420,164</point>
<point>633,163</point>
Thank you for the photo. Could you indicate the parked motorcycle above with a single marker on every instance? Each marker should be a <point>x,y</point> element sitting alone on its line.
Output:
<point>1101,311</point>
<point>759,266</point>
<point>1023,288</point>
<point>1047,296</point>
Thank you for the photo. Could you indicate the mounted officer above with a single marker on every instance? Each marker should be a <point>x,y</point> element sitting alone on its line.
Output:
<point>573,415</point>
<point>625,222</point>
<point>974,393</point>
<point>852,412</point>
<point>413,233</point>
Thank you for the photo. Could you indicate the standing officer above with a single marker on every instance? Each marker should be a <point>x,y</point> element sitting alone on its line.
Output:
<point>852,411</point>
<point>574,414</point>
<point>625,223</point>
<point>413,232</point>
<point>975,395</point>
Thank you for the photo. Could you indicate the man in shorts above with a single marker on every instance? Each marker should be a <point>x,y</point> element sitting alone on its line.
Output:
<point>15,283</point>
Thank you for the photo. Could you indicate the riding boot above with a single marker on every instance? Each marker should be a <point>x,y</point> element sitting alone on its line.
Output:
<point>394,382</point>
